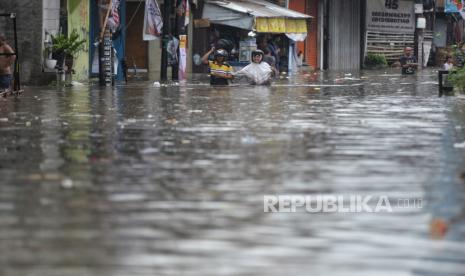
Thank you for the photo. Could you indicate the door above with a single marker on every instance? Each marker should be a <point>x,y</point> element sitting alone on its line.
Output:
<point>136,48</point>
<point>343,33</point>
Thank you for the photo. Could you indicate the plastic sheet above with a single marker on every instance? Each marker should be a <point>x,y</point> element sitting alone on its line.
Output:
<point>257,73</point>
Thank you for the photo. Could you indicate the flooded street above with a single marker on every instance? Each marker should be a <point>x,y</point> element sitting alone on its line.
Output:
<point>141,180</point>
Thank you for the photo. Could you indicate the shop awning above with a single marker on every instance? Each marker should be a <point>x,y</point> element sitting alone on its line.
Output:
<point>257,15</point>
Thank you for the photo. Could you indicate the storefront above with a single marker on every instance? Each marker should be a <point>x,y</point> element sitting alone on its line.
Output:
<point>310,47</point>
<point>252,24</point>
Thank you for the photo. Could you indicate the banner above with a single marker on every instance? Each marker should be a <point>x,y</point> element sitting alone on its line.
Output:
<point>182,57</point>
<point>113,19</point>
<point>455,6</point>
<point>280,25</point>
<point>426,52</point>
<point>153,21</point>
<point>390,16</point>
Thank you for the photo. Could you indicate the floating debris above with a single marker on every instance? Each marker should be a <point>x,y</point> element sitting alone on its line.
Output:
<point>67,183</point>
<point>149,151</point>
<point>459,145</point>
<point>76,83</point>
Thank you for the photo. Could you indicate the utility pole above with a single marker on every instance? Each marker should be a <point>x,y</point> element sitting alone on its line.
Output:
<point>17,82</point>
<point>105,50</point>
<point>178,30</point>
<point>418,35</point>
<point>165,39</point>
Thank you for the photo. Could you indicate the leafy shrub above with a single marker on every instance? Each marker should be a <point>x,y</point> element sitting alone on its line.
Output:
<point>458,55</point>
<point>69,45</point>
<point>457,78</point>
<point>372,60</point>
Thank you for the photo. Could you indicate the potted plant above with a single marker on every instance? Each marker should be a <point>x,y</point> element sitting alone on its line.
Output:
<point>50,63</point>
<point>65,48</point>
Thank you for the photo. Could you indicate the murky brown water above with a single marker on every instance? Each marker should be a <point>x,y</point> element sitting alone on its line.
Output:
<point>170,181</point>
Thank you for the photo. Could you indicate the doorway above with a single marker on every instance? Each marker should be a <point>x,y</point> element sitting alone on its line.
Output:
<point>136,48</point>
<point>342,43</point>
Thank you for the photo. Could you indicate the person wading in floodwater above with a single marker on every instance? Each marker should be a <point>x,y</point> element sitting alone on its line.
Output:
<point>258,71</point>
<point>6,62</point>
<point>220,70</point>
<point>408,62</point>
<point>449,64</point>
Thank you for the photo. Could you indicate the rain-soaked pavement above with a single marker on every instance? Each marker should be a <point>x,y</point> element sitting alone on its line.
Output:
<point>144,180</point>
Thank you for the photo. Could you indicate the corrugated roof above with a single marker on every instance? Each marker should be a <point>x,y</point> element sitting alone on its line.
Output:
<point>258,8</point>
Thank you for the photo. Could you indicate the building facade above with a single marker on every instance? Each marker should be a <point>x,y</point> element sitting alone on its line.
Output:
<point>339,34</point>
<point>30,22</point>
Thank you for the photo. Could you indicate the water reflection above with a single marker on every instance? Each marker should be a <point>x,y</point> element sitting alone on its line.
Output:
<point>142,180</point>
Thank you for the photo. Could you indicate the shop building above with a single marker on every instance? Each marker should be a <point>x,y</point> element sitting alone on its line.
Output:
<point>248,25</point>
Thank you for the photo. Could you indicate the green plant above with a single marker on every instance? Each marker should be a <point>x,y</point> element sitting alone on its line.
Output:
<point>458,54</point>
<point>457,78</point>
<point>375,60</point>
<point>69,45</point>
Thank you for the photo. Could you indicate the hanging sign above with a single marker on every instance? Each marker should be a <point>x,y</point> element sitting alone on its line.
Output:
<point>390,16</point>
<point>182,57</point>
<point>455,6</point>
<point>114,18</point>
<point>280,25</point>
<point>153,21</point>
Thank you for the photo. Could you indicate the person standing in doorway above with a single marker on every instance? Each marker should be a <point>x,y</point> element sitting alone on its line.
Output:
<point>6,63</point>
<point>274,50</point>
<point>408,62</point>
<point>268,58</point>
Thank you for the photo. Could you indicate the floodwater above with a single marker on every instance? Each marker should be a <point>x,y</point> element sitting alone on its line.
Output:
<point>170,180</point>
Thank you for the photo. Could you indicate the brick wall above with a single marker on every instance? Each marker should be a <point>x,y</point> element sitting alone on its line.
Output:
<point>29,28</point>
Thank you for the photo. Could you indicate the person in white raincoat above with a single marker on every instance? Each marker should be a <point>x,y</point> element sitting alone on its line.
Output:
<point>258,71</point>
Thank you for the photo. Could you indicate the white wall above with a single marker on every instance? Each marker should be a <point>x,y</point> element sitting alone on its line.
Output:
<point>51,16</point>
<point>50,19</point>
